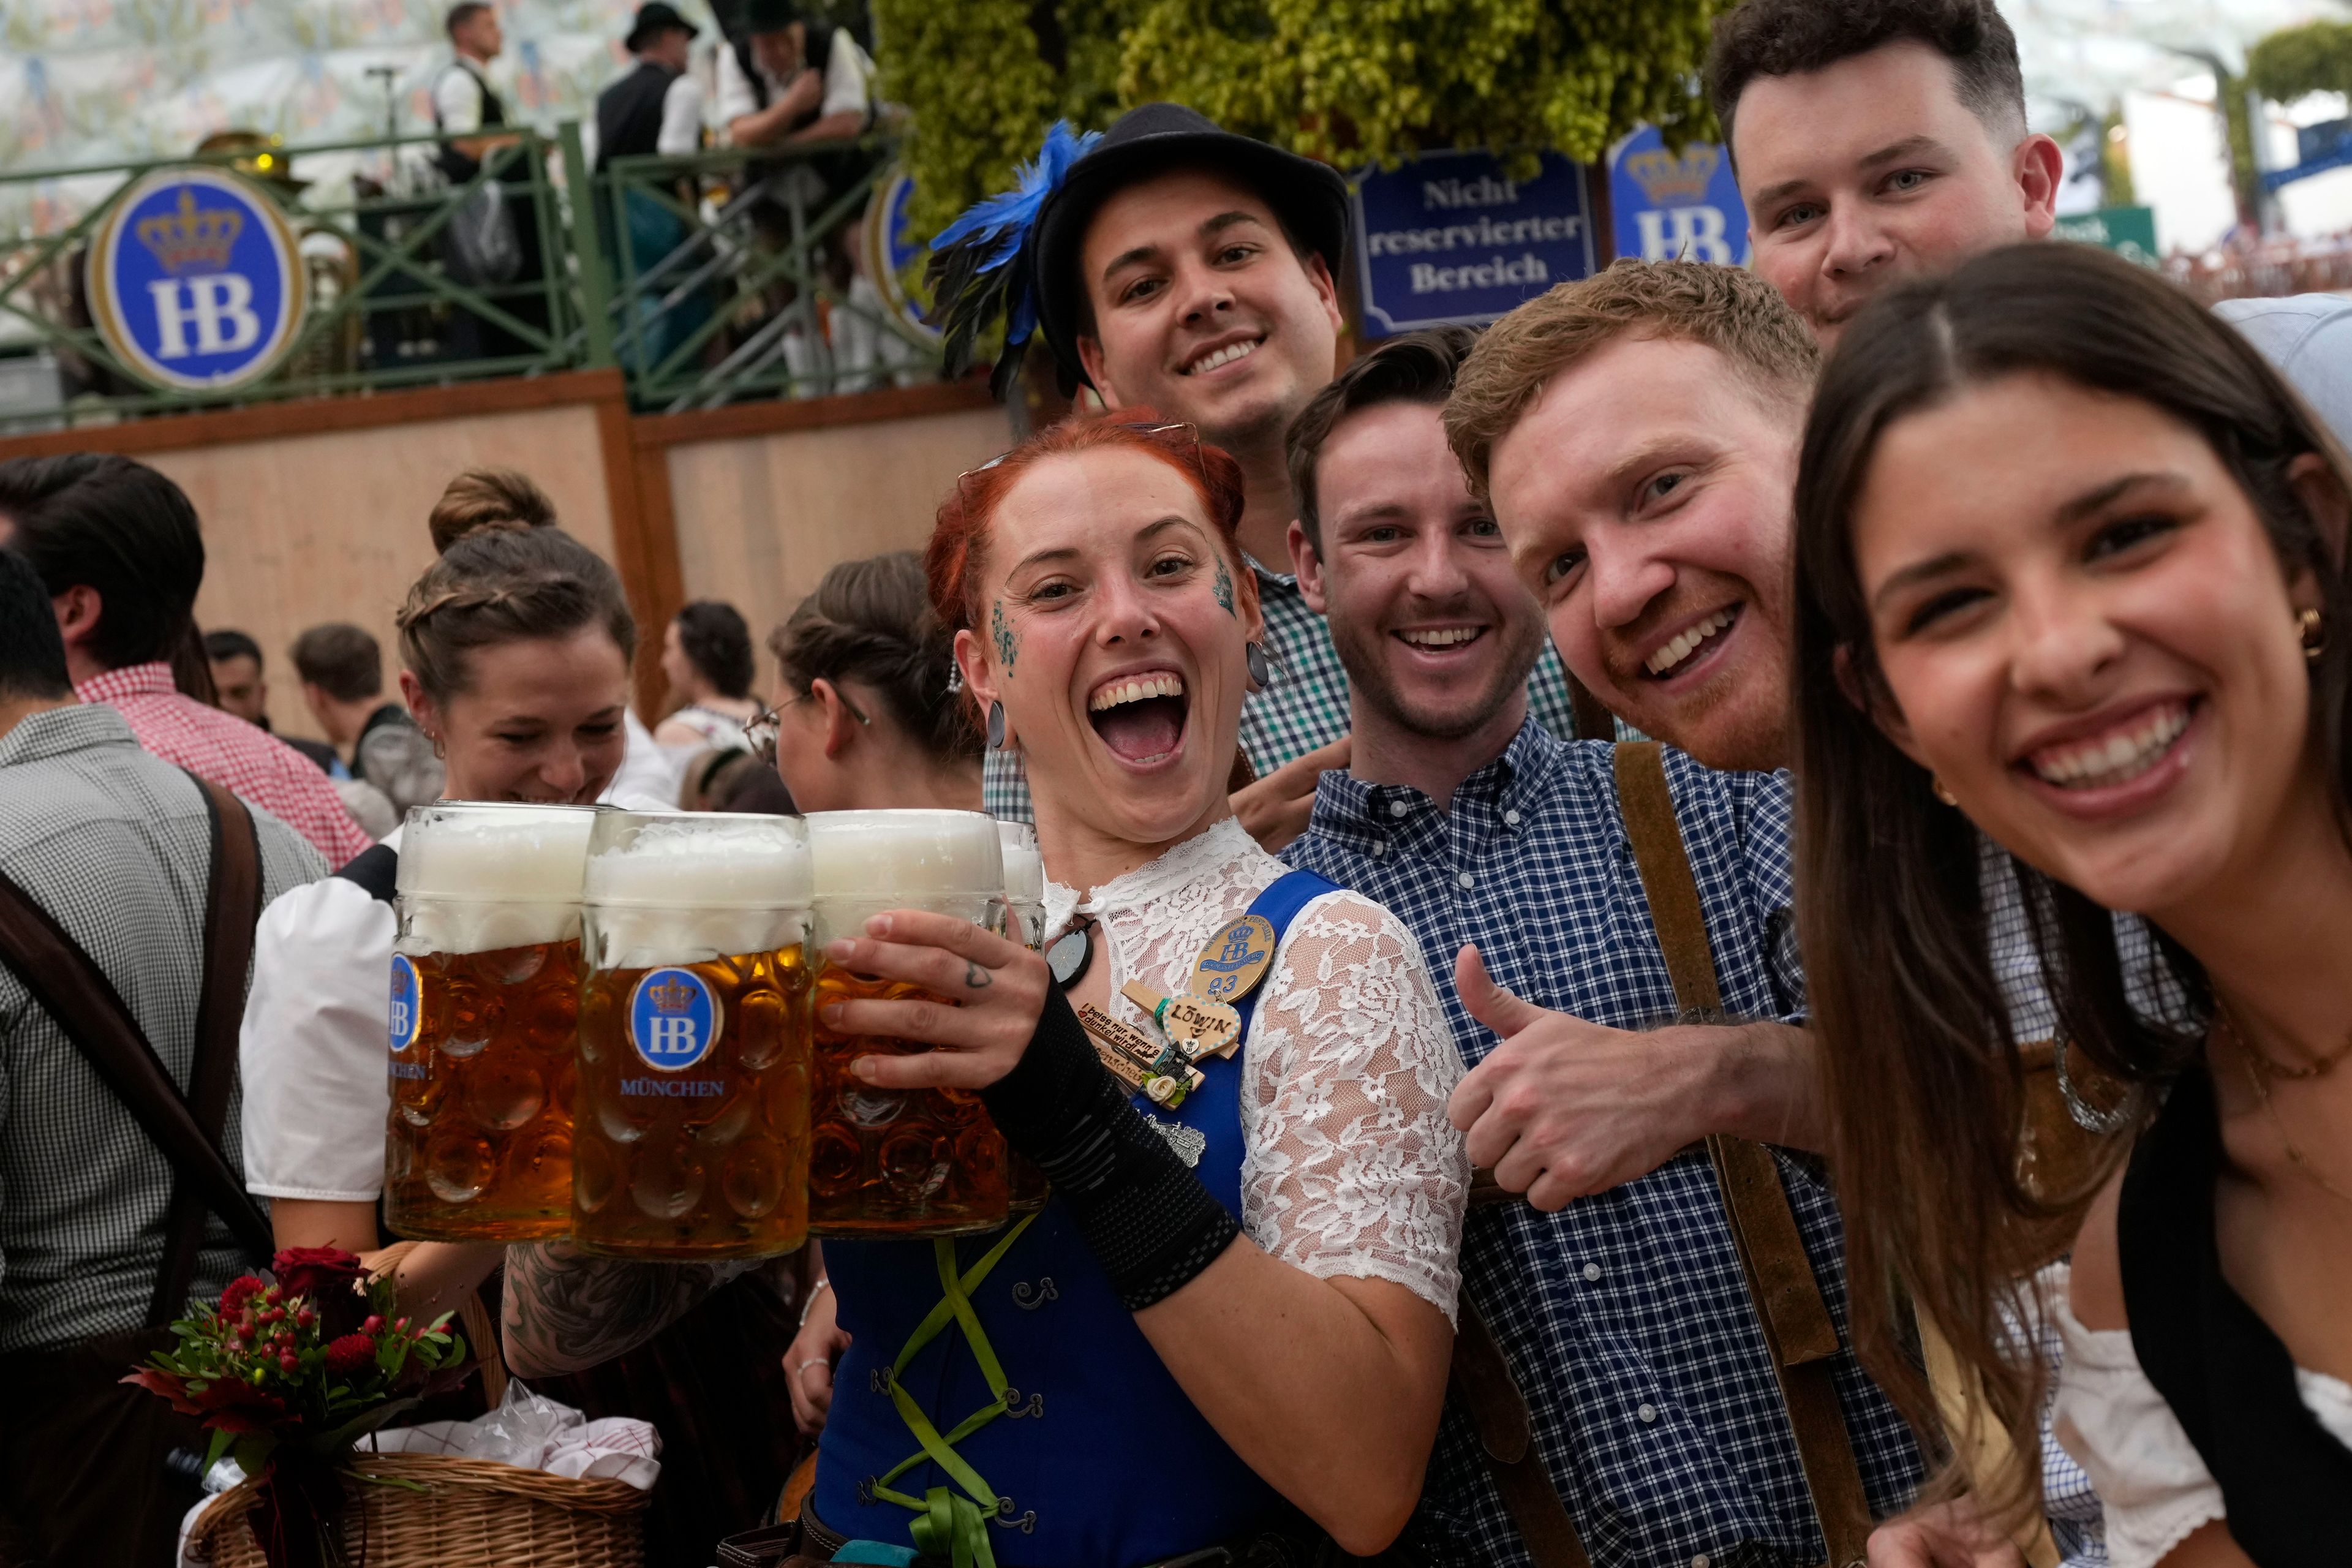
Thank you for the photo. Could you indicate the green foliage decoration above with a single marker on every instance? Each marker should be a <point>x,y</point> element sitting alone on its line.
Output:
<point>1351,81</point>
<point>2294,61</point>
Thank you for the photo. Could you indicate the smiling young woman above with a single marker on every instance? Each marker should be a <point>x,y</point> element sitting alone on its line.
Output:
<point>2070,575</point>
<point>1229,1327</point>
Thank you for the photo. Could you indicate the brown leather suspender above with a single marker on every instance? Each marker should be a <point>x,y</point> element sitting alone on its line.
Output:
<point>73,990</point>
<point>1780,1282</point>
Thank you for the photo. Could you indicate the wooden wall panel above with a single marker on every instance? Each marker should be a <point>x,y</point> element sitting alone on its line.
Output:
<point>760,517</point>
<point>331,526</point>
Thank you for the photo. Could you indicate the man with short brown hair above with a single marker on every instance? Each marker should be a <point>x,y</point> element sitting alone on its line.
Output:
<point>1653,392</point>
<point>1653,1416</point>
<point>1875,140</point>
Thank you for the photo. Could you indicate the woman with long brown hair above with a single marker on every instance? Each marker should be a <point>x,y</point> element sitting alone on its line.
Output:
<point>2071,577</point>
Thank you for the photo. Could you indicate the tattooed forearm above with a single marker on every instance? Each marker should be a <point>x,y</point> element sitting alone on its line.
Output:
<point>565,1311</point>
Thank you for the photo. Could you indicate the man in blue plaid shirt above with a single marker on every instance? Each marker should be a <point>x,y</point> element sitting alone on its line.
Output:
<point>1190,270</point>
<point>1617,1293</point>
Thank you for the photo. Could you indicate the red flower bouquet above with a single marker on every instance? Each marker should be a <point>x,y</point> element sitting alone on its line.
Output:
<point>290,1375</point>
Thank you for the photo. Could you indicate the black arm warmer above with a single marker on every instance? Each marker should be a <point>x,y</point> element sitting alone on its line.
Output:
<point>1151,1223</point>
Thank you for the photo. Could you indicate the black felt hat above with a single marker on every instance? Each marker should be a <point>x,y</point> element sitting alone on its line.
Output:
<point>1310,198</point>
<point>653,17</point>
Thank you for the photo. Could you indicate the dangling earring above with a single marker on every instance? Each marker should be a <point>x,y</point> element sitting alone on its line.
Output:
<point>955,678</point>
<point>1254,655</point>
<point>2313,628</point>
<point>1943,791</point>
<point>996,726</point>
<point>440,751</point>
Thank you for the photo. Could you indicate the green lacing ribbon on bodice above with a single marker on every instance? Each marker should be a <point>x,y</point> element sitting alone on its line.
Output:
<point>948,1525</point>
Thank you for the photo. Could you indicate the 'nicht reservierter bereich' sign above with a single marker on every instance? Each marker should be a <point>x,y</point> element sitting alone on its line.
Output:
<point>1670,206</point>
<point>1450,238</point>
<point>195,280</point>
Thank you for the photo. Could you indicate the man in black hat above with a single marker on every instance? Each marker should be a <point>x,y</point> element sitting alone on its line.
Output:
<point>658,107</point>
<point>787,80</point>
<point>1185,269</point>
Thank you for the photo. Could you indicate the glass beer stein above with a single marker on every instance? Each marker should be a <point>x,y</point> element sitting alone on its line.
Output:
<point>1025,908</point>
<point>897,1162</point>
<point>485,1015</point>
<point>692,1117</point>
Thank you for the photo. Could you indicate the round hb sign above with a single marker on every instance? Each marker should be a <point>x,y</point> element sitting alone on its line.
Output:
<point>407,998</point>
<point>195,280</point>
<point>673,1019</point>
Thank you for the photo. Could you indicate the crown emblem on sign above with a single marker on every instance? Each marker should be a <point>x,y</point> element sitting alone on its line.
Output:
<point>671,997</point>
<point>191,240</point>
<point>1668,179</point>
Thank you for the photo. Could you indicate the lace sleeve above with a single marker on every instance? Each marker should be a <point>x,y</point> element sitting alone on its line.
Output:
<point>1352,1168</point>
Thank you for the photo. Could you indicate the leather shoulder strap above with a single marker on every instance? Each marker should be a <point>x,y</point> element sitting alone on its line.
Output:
<point>232,909</point>
<point>73,990</point>
<point>1506,1433</point>
<point>1780,1282</point>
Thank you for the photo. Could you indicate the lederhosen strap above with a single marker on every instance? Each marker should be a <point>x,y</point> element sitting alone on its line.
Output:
<point>1780,1282</point>
<point>70,986</point>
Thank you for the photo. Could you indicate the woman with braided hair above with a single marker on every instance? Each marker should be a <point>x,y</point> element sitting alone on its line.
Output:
<point>516,646</point>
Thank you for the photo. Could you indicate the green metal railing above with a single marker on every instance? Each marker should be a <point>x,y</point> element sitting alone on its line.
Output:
<point>707,280</point>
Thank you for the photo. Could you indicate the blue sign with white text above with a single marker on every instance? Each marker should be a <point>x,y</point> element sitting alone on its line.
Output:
<point>195,280</point>
<point>1450,238</point>
<point>673,1019</point>
<point>1671,205</point>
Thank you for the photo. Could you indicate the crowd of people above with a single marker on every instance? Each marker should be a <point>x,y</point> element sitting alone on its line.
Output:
<point>1800,814</point>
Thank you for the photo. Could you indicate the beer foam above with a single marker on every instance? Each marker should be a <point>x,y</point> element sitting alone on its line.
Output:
<point>1025,869</point>
<point>502,854</point>
<point>475,877</point>
<point>906,855</point>
<point>706,864</point>
<point>627,936</point>
<point>695,887</point>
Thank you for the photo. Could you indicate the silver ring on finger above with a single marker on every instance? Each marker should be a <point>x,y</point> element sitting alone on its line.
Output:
<point>801,1367</point>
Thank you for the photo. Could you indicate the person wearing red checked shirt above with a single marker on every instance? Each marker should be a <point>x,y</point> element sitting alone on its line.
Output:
<point>117,546</point>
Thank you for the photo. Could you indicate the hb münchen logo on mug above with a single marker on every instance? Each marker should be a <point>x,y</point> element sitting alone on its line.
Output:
<point>673,1019</point>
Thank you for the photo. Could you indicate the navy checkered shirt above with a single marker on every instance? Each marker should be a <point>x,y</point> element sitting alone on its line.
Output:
<point>1625,1315</point>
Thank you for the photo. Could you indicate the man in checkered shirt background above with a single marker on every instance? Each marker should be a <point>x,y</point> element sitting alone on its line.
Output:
<point>1188,270</point>
<point>115,846</point>
<point>117,545</point>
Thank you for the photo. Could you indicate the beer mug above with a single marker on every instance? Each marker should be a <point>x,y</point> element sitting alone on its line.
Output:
<point>484,1016</point>
<point>1024,907</point>
<point>897,1162</point>
<point>691,1125</point>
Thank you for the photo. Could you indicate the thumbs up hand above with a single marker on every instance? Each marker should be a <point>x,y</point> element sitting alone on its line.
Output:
<point>1560,1108</point>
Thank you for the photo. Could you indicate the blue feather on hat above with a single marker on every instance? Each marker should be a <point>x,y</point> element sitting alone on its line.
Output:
<point>977,271</point>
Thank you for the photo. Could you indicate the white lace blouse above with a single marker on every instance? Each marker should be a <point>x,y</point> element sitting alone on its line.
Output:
<point>2156,1489</point>
<point>1350,1167</point>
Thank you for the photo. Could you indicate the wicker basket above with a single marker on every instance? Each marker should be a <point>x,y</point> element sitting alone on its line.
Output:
<point>470,1512</point>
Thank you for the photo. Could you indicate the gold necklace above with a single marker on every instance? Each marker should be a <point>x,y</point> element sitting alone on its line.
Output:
<point>2248,1056</point>
<point>2317,1066</point>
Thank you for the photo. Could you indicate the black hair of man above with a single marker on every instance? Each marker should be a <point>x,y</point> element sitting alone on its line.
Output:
<point>99,520</point>
<point>340,660</point>
<point>1787,37</point>
<point>463,12</point>
<point>32,654</point>
<point>1419,367</point>
<point>227,643</point>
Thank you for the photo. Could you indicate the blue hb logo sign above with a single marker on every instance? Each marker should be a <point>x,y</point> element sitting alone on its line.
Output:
<point>196,279</point>
<point>673,1019</point>
<point>408,1001</point>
